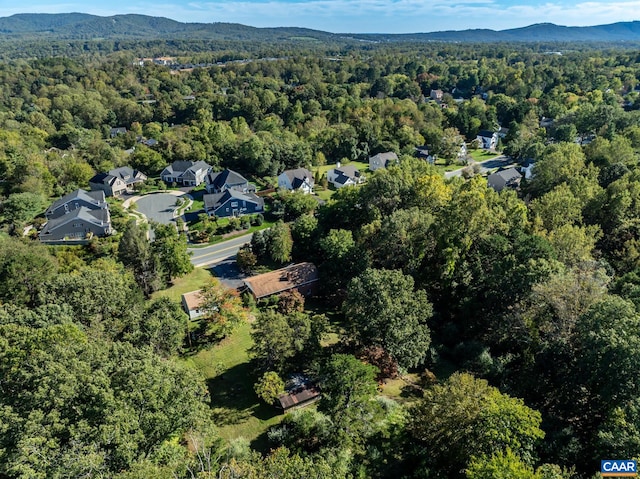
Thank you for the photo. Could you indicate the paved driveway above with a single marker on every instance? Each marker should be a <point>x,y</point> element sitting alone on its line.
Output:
<point>158,207</point>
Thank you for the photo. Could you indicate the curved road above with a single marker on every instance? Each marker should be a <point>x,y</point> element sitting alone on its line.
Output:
<point>219,252</point>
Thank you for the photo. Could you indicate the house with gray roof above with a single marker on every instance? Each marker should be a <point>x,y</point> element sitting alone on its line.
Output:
<point>117,181</point>
<point>77,217</point>
<point>120,130</point>
<point>93,200</point>
<point>76,227</point>
<point>299,179</point>
<point>232,203</point>
<point>219,181</point>
<point>342,176</point>
<point>509,178</point>
<point>382,160</point>
<point>187,173</point>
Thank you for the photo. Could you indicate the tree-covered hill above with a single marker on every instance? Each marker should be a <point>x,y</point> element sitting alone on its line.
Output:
<point>85,26</point>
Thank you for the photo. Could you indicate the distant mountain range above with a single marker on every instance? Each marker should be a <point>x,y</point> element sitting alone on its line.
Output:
<point>91,27</point>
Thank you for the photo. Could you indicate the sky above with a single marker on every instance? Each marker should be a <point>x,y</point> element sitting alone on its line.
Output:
<point>354,16</point>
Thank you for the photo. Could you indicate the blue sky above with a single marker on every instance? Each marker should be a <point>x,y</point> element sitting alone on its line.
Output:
<point>356,16</point>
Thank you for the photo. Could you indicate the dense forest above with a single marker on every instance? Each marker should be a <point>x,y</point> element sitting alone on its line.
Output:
<point>513,317</point>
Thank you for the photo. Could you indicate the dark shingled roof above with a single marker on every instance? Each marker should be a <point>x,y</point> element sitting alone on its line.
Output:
<point>226,177</point>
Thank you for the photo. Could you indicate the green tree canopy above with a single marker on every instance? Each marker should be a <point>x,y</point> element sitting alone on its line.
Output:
<point>383,309</point>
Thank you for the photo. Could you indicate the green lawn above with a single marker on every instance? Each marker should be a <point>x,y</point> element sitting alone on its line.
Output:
<point>481,155</point>
<point>219,238</point>
<point>191,282</point>
<point>237,410</point>
<point>443,167</point>
<point>324,194</point>
<point>358,164</point>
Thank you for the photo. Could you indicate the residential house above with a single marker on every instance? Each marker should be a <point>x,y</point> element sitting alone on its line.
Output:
<point>302,277</point>
<point>150,142</point>
<point>220,181</point>
<point>120,130</point>
<point>488,139</point>
<point>191,303</point>
<point>437,95</point>
<point>382,160</point>
<point>423,153</point>
<point>117,181</point>
<point>92,200</point>
<point>187,173</point>
<point>77,217</point>
<point>299,179</point>
<point>341,176</point>
<point>509,178</point>
<point>232,203</point>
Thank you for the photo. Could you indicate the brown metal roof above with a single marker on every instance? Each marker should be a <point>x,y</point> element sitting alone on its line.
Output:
<point>280,280</point>
<point>298,397</point>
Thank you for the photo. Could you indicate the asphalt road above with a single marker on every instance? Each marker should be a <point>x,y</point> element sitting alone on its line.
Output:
<point>158,207</point>
<point>218,253</point>
<point>486,166</point>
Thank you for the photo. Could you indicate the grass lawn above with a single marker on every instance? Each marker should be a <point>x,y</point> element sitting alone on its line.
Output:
<point>441,166</point>
<point>362,166</point>
<point>481,155</point>
<point>324,194</point>
<point>219,238</point>
<point>237,410</point>
<point>194,280</point>
<point>402,389</point>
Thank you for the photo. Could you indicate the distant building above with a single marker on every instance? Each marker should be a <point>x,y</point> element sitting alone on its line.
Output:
<point>382,160</point>
<point>509,178</point>
<point>423,153</point>
<point>436,95</point>
<point>120,130</point>
<point>299,179</point>
<point>117,181</point>
<point>187,173</point>
<point>342,176</point>
<point>219,181</point>
<point>232,203</point>
<point>488,139</point>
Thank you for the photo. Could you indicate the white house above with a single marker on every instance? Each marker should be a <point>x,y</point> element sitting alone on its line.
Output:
<point>341,176</point>
<point>488,139</point>
<point>299,179</point>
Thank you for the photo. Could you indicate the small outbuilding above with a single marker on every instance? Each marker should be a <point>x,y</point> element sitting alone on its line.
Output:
<point>191,303</point>
<point>300,397</point>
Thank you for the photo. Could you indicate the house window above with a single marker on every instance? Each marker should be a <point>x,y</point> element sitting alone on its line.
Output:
<point>234,204</point>
<point>77,225</point>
